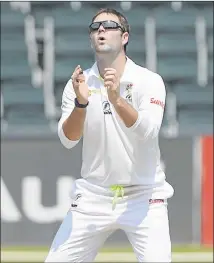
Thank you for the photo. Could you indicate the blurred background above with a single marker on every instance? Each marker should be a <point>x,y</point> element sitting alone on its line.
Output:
<point>41,44</point>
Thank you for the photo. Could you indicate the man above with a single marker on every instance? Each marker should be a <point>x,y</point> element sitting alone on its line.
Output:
<point>117,107</point>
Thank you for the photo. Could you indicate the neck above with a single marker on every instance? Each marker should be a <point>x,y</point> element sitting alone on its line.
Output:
<point>116,61</point>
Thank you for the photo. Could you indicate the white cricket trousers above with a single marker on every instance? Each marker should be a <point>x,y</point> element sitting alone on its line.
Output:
<point>91,220</point>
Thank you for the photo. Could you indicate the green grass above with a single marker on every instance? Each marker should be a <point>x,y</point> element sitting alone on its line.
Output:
<point>192,248</point>
<point>176,248</point>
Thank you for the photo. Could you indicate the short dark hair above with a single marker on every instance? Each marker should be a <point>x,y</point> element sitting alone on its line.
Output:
<point>123,21</point>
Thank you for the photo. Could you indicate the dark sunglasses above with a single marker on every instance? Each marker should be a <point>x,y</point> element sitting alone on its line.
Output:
<point>109,24</point>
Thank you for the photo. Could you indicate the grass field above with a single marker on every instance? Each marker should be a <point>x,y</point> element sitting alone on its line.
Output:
<point>186,253</point>
<point>176,248</point>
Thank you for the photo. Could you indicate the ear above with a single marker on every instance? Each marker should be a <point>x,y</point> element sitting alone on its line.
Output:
<point>125,38</point>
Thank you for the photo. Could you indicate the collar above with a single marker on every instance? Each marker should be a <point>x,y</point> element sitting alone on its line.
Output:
<point>127,74</point>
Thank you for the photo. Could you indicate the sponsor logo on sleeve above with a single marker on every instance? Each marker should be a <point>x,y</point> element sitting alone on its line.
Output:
<point>129,92</point>
<point>75,201</point>
<point>157,102</point>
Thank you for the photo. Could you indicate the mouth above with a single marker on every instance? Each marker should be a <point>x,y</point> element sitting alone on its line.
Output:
<point>101,38</point>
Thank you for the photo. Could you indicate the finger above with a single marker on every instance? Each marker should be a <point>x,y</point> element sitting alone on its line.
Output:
<point>74,78</point>
<point>110,72</point>
<point>77,73</point>
<point>77,67</point>
<point>110,69</point>
<point>75,70</point>
<point>80,78</point>
<point>110,77</point>
<point>80,74</point>
<point>108,84</point>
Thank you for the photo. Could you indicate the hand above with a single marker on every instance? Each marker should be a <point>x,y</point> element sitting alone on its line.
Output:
<point>112,84</point>
<point>80,87</point>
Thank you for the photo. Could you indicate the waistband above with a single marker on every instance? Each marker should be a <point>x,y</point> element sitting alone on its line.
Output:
<point>158,191</point>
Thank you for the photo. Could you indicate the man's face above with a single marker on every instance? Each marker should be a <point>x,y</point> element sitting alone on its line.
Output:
<point>108,40</point>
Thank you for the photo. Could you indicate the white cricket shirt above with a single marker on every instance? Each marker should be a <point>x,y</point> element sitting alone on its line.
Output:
<point>112,153</point>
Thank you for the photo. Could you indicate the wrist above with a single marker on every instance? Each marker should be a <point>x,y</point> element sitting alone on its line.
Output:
<point>80,103</point>
<point>117,101</point>
<point>81,100</point>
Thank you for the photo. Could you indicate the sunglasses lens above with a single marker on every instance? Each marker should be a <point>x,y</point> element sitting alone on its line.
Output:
<point>94,26</point>
<point>110,24</point>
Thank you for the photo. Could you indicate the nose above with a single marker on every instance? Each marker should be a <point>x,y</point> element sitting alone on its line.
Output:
<point>101,28</point>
